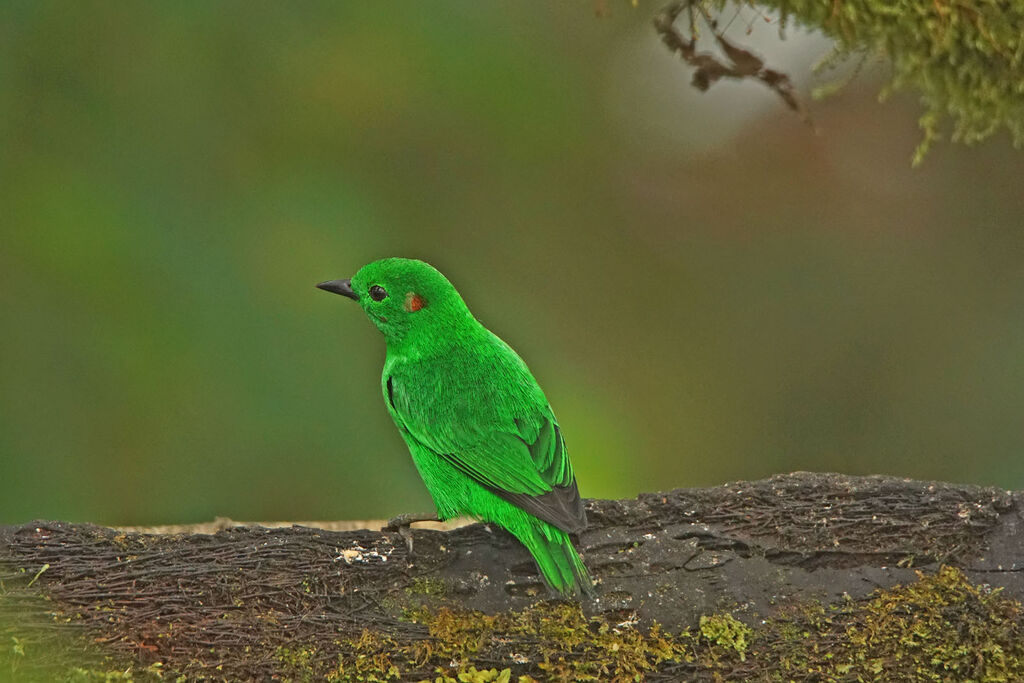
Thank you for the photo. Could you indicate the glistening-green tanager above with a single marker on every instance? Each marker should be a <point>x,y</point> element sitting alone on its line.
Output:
<point>478,426</point>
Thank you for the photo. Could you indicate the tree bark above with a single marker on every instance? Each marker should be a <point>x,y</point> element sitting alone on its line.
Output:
<point>254,603</point>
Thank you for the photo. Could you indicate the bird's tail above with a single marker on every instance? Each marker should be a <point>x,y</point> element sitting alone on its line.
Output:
<point>559,563</point>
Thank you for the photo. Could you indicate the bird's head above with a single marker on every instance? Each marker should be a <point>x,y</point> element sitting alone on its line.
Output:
<point>403,297</point>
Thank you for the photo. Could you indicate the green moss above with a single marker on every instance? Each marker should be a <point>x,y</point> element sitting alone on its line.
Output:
<point>940,628</point>
<point>726,631</point>
<point>474,675</point>
<point>560,640</point>
<point>423,585</point>
<point>368,658</point>
<point>296,662</point>
<point>964,60</point>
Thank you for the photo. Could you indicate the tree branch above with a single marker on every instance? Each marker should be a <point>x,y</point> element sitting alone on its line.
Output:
<point>723,572</point>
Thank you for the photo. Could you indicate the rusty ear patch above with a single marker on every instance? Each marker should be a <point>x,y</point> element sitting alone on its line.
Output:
<point>414,302</point>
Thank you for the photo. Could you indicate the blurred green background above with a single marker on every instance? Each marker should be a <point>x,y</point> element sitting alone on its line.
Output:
<point>706,289</point>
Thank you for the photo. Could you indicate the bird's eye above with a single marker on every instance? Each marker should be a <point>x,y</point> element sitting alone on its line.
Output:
<point>377,293</point>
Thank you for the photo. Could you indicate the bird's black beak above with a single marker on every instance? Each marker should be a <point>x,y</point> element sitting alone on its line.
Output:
<point>343,287</point>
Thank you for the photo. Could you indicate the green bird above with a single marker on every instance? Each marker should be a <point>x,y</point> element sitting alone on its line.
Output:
<point>478,426</point>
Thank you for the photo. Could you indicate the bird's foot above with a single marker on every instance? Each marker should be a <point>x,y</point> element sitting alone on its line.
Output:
<point>401,525</point>
<point>404,520</point>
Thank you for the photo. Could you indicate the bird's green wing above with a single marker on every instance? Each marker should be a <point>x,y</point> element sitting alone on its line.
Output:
<point>518,453</point>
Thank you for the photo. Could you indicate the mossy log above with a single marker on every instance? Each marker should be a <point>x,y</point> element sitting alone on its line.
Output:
<point>804,577</point>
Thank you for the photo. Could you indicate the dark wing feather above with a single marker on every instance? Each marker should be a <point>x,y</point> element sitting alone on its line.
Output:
<point>561,506</point>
